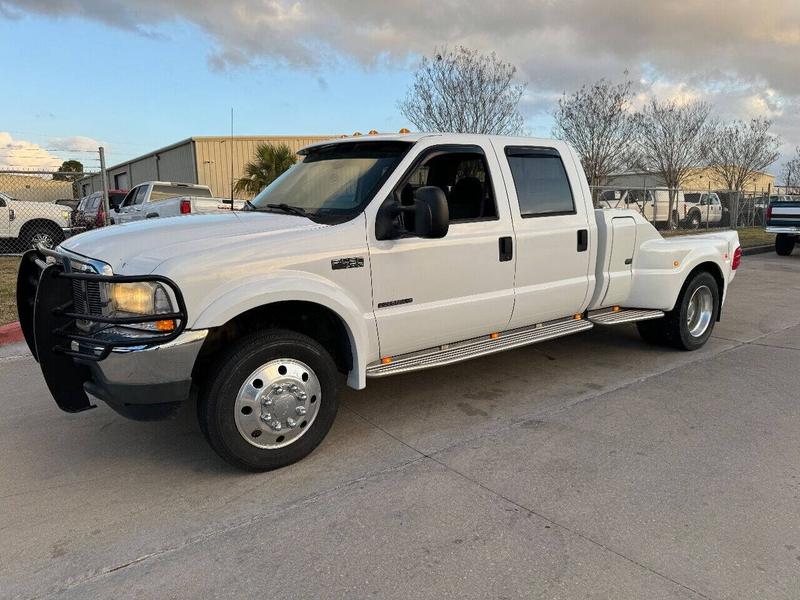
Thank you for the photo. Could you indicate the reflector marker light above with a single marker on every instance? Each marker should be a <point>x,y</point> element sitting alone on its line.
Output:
<point>386,360</point>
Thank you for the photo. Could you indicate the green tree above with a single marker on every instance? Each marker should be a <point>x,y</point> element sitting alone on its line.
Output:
<point>269,163</point>
<point>70,170</point>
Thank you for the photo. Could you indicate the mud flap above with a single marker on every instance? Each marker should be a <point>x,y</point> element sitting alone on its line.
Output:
<point>62,375</point>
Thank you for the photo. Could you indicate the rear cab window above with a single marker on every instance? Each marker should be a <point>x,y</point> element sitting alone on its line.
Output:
<point>541,181</point>
<point>165,192</point>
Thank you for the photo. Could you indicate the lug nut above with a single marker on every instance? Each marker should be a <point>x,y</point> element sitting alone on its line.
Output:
<point>278,389</point>
<point>300,410</point>
<point>266,417</point>
<point>291,423</point>
<point>276,425</point>
<point>301,397</point>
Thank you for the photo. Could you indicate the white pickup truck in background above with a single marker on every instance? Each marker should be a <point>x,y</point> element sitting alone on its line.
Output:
<point>154,199</point>
<point>368,258</point>
<point>24,223</point>
<point>702,208</point>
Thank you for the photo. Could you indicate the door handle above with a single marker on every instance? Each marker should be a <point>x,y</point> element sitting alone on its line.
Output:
<point>506,248</point>
<point>583,240</point>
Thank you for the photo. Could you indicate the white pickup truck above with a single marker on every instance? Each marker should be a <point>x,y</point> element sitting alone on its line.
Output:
<point>24,224</point>
<point>368,258</point>
<point>154,199</point>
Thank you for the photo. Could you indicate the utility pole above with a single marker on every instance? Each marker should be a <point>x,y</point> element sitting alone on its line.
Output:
<point>104,178</point>
<point>231,149</point>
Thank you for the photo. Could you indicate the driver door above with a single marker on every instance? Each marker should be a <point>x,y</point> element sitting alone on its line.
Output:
<point>429,292</point>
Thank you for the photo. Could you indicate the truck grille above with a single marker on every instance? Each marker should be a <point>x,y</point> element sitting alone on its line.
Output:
<point>86,297</point>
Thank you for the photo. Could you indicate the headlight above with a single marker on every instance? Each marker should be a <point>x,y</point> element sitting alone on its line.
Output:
<point>140,298</point>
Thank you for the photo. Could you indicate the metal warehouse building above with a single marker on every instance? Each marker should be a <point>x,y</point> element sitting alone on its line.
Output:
<point>203,160</point>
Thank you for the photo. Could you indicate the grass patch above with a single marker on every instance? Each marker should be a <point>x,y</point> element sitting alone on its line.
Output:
<point>749,237</point>
<point>8,289</point>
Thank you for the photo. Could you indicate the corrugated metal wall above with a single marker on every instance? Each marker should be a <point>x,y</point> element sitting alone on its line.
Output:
<point>204,160</point>
<point>214,157</point>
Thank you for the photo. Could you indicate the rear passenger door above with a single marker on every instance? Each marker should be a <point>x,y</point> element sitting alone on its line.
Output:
<point>554,250</point>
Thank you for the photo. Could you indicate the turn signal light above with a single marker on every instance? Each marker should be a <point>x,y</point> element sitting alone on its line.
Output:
<point>494,336</point>
<point>165,325</point>
<point>578,317</point>
<point>386,360</point>
<point>186,207</point>
<point>404,130</point>
<point>737,258</point>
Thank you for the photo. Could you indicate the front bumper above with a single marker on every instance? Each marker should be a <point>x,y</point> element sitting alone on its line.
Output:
<point>141,378</point>
<point>148,382</point>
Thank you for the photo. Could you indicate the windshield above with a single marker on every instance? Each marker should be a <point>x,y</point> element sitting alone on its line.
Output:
<point>335,182</point>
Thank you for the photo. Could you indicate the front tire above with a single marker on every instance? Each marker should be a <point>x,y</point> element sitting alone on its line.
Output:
<point>689,325</point>
<point>272,400</point>
<point>784,244</point>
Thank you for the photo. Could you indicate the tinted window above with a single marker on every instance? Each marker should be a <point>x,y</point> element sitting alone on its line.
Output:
<point>334,182</point>
<point>165,192</point>
<point>541,182</point>
<point>140,194</point>
<point>463,177</point>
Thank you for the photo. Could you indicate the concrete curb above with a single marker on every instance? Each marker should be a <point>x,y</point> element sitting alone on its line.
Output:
<point>758,250</point>
<point>10,334</point>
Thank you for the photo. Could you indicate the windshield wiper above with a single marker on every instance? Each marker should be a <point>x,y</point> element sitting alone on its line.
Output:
<point>250,205</point>
<point>288,208</point>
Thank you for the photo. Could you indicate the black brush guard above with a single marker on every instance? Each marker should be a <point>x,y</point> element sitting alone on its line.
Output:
<point>47,318</point>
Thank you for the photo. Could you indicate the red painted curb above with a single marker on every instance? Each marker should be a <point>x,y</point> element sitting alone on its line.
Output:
<point>11,333</point>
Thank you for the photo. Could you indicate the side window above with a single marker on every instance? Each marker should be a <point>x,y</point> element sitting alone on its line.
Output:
<point>140,194</point>
<point>541,182</point>
<point>2,203</point>
<point>130,197</point>
<point>464,178</point>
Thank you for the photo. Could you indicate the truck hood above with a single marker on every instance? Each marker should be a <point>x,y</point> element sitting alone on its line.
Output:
<point>148,243</point>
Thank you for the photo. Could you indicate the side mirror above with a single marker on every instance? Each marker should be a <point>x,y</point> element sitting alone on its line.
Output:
<point>116,208</point>
<point>431,215</point>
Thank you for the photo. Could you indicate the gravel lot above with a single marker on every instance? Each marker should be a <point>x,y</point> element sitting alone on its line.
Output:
<point>592,466</point>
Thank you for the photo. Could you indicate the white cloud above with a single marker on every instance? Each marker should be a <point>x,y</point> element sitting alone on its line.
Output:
<point>76,143</point>
<point>21,154</point>
<point>745,56</point>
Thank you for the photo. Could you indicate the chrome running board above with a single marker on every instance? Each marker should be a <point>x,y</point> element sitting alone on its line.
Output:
<point>474,347</point>
<point>624,315</point>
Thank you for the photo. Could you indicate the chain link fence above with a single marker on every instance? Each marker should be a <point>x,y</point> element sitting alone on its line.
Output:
<point>38,207</point>
<point>687,209</point>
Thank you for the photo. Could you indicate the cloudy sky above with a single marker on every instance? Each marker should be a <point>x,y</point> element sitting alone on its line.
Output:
<point>136,75</point>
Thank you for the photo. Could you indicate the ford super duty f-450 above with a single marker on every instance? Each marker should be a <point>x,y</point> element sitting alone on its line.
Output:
<point>369,257</point>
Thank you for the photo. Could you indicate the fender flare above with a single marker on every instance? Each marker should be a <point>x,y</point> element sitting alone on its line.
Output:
<point>305,287</point>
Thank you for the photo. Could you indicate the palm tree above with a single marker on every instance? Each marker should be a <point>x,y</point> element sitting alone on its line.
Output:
<point>270,161</point>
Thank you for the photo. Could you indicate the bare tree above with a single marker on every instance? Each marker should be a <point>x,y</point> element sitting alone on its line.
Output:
<point>598,122</point>
<point>464,91</point>
<point>670,139</point>
<point>740,149</point>
<point>790,172</point>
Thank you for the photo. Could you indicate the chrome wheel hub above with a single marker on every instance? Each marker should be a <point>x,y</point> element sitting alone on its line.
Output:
<point>45,239</point>
<point>700,311</point>
<point>277,403</point>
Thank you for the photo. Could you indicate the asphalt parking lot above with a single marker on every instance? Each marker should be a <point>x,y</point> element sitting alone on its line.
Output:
<point>588,467</point>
